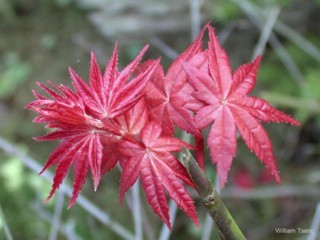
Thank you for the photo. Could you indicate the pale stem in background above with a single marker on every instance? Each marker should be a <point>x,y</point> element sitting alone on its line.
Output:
<point>195,18</point>
<point>56,218</point>
<point>266,32</point>
<point>165,232</point>
<point>163,47</point>
<point>87,205</point>
<point>65,228</point>
<point>284,56</point>
<point>136,210</point>
<point>283,29</point>
<point>314,229</point>
<point>5,225</point>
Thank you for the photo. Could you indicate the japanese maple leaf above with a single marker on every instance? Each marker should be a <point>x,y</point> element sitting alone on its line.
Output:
<point>84,120</point>
<point>229,107</point>
<point>130,125</point>
<point>158,170</point>
<point>168,93</point>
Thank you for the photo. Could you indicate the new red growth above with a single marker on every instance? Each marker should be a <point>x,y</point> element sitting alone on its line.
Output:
<point>129,117</point>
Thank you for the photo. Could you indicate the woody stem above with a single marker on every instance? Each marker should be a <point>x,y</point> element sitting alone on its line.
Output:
<point>225,223</point>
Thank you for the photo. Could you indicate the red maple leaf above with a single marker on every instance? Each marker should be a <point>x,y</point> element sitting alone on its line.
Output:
<point>130,125</point>
<point>158,170</point>
<point>229,108</point>
<point>168,93</point>
<point>85,120</point>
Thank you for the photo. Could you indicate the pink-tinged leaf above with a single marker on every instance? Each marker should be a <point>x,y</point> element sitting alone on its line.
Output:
<point>177,192</point>
<point>129,149</point>
<point>110,154</point>
<point>150,134</point>
<point>60,174</point>
<point>56,156</point>
<point>65,161</point>
<point>206,97</point>
<point>184,120</point>
<point>82,89</point>
<point>131,171</point>
<point>207,115</point>
<point>219,65</point>
<point>244,78</point>
<point>177,167</point>
<point>200,80</point>
<point>167,95</point>
<point>256,139</point>
<point>169,144</point>
<point>38,95</point>
<point>51,92</point>
<point>199,151</point>
<point>135,119</point>
<point>120,81</point>
<point>225,104</point>
<point>155,87</point>
<point>96,81</point>
<point>198,61</point>
<point>152,161</point>
<point>85,119</point>
<point>192,50</point>
<point>131,93</point>
<point>160,115</point>
<point>62,134</point>
<point>194,105</point>
<point>95,158</point>
<point>110,73</point>
<point>262,110</point>
<point>223,144</point>
<point>152,183</point>
<point>85,150</point>
<point>80,174</point>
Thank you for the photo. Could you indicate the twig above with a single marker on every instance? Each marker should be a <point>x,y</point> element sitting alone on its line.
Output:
<point>92,209</point>
<point>163,47</point>
<point>56,218</point>
<point>266,32</point>
<point>65,228</point>
<point>284,30</point>
<point>6,228</point>
<point>136,204</point>
<point>195,18</point>
<point>284,56</point>
<point>147,226</point>
<point>315,225</point>
<point>207,228</point>
<point>299,40</point>
<point>228,228</point>
<point>226,32</point>
<point>173,208</point>
<point>165,232</point>
<point>271,192</point>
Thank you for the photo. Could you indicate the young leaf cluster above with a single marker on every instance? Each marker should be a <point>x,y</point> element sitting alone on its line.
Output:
<point>128,117</point>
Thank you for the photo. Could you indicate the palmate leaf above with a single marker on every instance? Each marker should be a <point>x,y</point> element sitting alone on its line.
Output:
<point>168,93</point>
<point>227,106</point>
<point>112,94</point>
<point>159,171</point>
<point>88,122</point>
<point>85,151</point>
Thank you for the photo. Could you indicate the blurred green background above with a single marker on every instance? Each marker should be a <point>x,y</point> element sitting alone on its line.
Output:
<point>39,39</point>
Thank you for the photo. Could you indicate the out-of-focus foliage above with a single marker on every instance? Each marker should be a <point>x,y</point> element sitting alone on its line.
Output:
<point>13,72</point>
<point>225,11</point>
